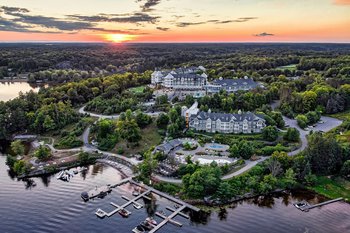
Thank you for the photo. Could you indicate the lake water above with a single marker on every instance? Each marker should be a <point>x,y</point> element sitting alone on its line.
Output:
<point>56,206</point>
<point>10,90</point>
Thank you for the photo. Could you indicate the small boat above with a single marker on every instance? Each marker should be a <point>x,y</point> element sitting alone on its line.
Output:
<point>137,206</point>
<point>151,221</point>
<point>124,213</point>
<point>60,175</point>
<point>139,229</point>
<point>100,213</point>
<point>146,225</point>
<point>102,194</point>
<point>135,193</point>
<point>300,205</point>
<point>85,196</point>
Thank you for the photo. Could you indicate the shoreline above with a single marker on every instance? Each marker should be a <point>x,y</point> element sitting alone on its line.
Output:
<point>16,80</point>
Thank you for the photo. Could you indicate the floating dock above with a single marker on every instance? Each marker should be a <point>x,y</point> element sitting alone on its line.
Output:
<point>307,207</point>
<point>100,191</point>
<point>146,191</point>
<point>123,206</point>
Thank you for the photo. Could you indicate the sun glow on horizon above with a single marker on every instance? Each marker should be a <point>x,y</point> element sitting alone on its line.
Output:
<point>119,38</point>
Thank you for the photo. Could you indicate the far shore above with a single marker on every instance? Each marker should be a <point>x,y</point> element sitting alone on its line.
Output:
<point>21,80</point>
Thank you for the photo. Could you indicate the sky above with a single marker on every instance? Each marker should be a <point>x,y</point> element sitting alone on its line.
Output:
<point>175,21</point>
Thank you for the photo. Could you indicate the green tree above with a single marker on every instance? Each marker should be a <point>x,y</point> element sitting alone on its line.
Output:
<point>17,147</point>
<point>224,191</point>
<point>245,149</point>
<point>289,179</point>
<point>324,154</point>
<point>302,121</point>
<point>204,181</point>
<point>292,135</point>
<point>83,158</point>
<point>42,153</point>
<point>345,170</point>
<point>20,167</point>
<point>49,124</point>
<point>234,151</point>
<point>147,167</point>
<point>162,121</point>
<point>270,133</point>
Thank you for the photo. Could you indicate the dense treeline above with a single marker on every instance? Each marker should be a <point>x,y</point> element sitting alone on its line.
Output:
<point>219,59</point>
<point>53,108</point>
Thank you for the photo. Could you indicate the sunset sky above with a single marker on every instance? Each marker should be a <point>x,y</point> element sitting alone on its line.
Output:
<point>175,20</point>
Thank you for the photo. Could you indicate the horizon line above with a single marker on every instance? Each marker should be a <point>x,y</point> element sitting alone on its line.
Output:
<point>174,42</point>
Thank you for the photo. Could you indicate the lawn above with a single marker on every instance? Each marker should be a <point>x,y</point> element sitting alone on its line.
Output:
<point>137,90</point>
<point>340,132</point>
<point>290,67</point>
<point>342,115</point>
<point>332,188</point>
<point>150,137</point>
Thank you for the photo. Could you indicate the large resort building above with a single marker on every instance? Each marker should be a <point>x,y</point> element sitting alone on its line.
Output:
<point>194,80</point>
<point>231,85</point>
<point>245,123</point>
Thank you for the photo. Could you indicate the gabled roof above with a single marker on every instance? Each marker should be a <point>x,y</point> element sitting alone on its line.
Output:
<point>227,117</point>
<point>190,76</point>
<point>235,82</point>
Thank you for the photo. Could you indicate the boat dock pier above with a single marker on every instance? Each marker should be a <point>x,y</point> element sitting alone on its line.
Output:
<point>307,207</point>
<point>134,202</point>
<point>167,219</point>
<point>173,210</point>
<point>118,208</point>
<point>100,191</point>
<point>146,191</point>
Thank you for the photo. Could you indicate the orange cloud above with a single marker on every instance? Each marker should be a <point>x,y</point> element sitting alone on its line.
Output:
<point>341,2</point>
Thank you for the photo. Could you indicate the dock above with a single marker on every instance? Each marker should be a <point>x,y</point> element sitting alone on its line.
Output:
<point>307,207</point>
<point>136,203</point>
<point>167,196</point>
<point>146,191</point>
<point>118,208</point>
<point>97,191</point>
<point>167,219</point>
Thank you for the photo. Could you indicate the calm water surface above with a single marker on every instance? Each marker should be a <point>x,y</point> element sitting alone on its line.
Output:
<point>56,206</point>
<point>10,90</point>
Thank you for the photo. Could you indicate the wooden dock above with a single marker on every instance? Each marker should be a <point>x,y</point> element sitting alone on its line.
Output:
<point>167,196</point>
<point>167,219</point>
<point>173,210</point>
<point>148,190</point>
<point>118,208</point>
<point>136,203</point>
<point>308,206</point>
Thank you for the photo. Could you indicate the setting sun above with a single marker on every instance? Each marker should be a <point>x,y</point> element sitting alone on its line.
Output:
<point>119,38</point>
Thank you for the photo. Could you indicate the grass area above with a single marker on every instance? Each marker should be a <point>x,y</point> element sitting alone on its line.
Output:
<point>341,115</point>
<point>332,188</point>
<point>137,90</point>
<point>290,67</point>
<point>340,132</point>
<point>150,137</point>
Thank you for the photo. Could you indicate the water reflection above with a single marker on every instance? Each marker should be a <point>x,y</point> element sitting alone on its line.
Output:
<point>11,90</point>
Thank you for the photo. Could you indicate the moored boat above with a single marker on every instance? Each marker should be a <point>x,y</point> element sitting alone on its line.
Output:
<point>124,213</point>
<point>139,229</point>
<point>151,221</point>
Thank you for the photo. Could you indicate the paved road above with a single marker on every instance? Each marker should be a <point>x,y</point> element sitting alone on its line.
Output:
<point>82,111</point>
<point>329,124</point>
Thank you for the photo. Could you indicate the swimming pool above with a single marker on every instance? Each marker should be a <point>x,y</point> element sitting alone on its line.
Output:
<point>215,146</point>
